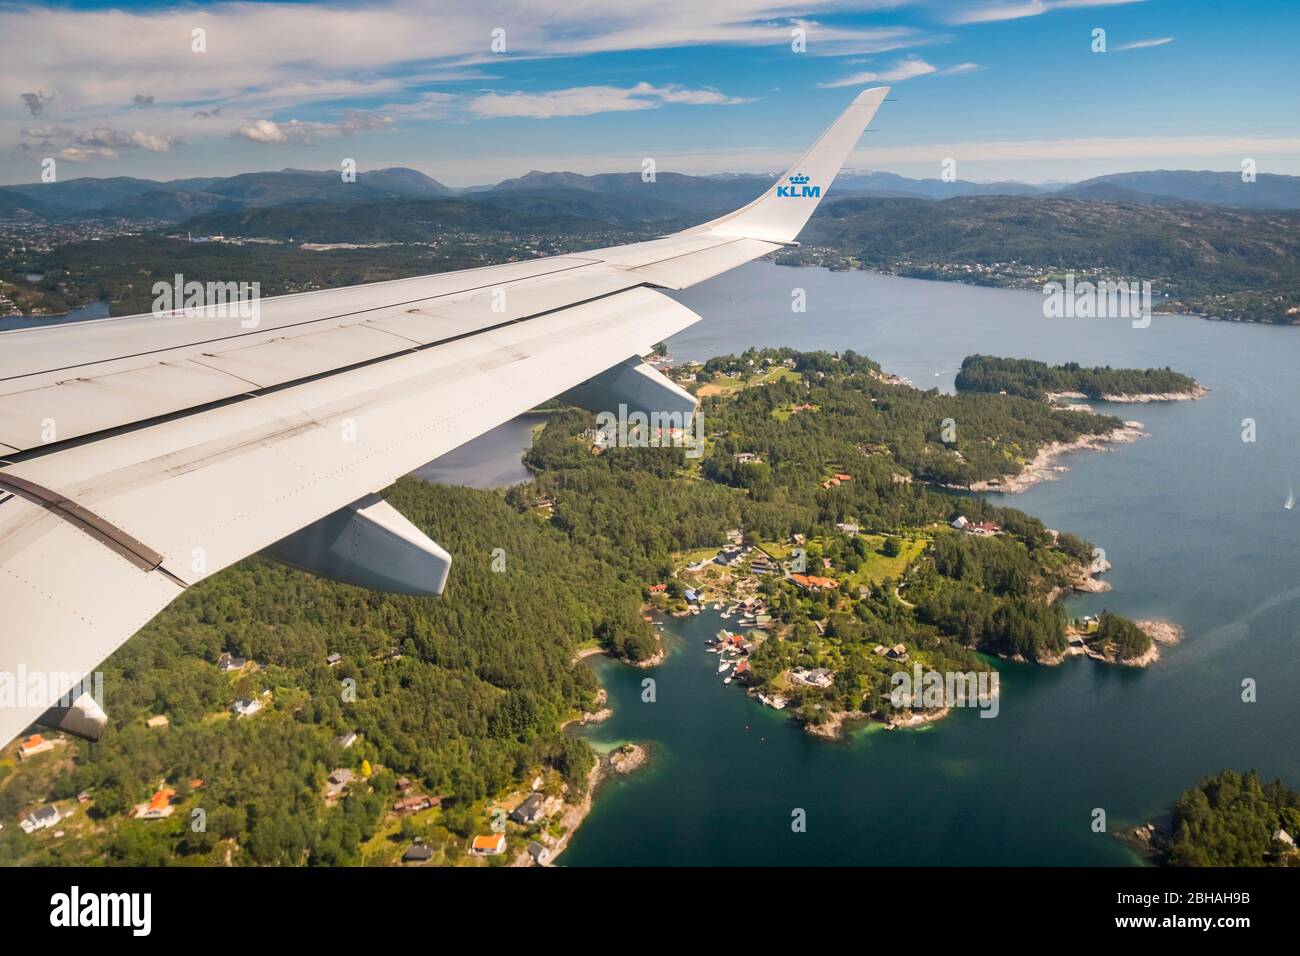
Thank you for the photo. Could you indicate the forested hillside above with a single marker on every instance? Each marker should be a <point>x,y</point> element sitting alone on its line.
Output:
<point>474,701</point>
<point>1031,379</point>
<point>1213,260</point>
<point>1230,819</point>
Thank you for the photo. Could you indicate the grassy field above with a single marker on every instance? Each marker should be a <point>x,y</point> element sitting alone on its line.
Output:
<point>725,384</point>
<point>784,414</point>
<point>876,566</point>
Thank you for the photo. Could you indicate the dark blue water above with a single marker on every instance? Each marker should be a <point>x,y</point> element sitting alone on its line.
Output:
<point>82,313</point>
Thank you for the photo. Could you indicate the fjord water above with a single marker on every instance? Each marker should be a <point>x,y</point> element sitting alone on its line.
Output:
<point>1192,519</point>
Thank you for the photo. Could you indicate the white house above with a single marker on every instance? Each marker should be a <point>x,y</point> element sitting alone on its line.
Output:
<point>246,706</point>
<point>40,818</point>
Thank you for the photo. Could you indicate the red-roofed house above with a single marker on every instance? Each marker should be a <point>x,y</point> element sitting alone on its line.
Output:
<point>811,582</point>
<point>157,806</point>
<point>489,845</point>
<point>33,745</point>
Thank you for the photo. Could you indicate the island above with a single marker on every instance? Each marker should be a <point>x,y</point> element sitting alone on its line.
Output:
<point>1038,380</point>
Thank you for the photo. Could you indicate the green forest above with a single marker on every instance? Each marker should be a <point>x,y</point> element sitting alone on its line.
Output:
<point>1032,379</point>
<point>463,694</point>
<point>1230,819</point>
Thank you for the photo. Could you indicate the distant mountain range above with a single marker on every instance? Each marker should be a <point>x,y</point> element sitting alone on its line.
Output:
<point>178,199</point>
<point>613,197</point>
<point>1269,191</point>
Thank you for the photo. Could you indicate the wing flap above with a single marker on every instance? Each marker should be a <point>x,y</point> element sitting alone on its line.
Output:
<point>68,602</point>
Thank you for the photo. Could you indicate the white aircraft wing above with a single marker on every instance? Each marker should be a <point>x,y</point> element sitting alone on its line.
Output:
<point>138,455</point>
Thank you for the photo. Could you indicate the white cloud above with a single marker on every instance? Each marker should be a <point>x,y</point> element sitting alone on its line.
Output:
<point>155,144</point>
<point>120,139</point>
<point>305,133</point>
<point>363,121</point>
<point>47,132</point>
<point>266,57</point>
<point>1144,44</point>
<point>1019,9</point>
<point>262,131</point>
<point>587,100</point>
<point>902,70</point>
<point>76,154</point>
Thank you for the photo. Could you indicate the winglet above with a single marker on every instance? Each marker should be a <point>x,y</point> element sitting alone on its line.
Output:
<point>781,213</point>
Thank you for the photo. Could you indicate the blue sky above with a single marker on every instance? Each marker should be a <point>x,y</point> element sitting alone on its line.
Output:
<point>1010,89</point>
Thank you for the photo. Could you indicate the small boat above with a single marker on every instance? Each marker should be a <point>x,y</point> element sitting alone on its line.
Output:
<point>727,681</point>
<point>715,607</point>
<point>724,665</point>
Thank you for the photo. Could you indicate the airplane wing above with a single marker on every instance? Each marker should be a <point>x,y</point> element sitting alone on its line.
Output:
<point>138,455</point>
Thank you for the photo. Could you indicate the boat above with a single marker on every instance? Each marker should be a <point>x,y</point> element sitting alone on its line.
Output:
<point>727,681</point>
<point>724,665</point>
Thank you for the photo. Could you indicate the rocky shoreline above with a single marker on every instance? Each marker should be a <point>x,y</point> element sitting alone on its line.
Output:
<point>833,729</point>
<point>1196,391</point>
<point>627,758</point>
<point>1043,467</point>
<point>1162,634</point>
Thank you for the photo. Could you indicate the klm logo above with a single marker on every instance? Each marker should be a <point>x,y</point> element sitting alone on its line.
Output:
<point>799,189</point>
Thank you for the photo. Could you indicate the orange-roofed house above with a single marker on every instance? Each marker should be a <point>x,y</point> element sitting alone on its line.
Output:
<point>489,845</point>
<point>157,806</point>
<point>812,582</point>
<point>840,476</point>
<point>33,745</point>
